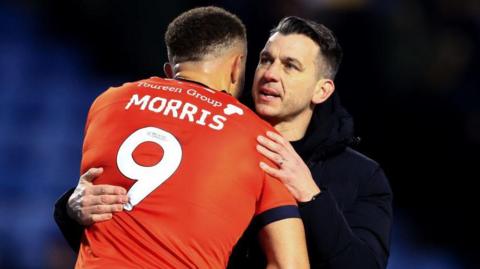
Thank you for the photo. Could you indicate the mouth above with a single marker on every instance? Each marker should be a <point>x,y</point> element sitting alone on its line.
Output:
<point>268,94</point>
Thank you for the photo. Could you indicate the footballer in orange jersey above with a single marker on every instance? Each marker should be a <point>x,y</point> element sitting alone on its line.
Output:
<point>186,154</point>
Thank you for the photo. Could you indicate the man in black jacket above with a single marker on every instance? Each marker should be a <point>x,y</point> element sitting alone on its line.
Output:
<point>345,199</point>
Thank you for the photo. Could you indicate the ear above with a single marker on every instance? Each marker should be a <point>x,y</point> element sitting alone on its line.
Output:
<point>168,70</point>
<point>236,72</point>
<point>323,89</point>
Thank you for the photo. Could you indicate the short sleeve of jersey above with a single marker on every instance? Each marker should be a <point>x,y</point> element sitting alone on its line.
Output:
<point>276,203</point>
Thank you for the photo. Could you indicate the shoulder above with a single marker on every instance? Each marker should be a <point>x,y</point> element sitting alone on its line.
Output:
<point>247,121</point>
<point>351,167</point>
<point>357,160</point>
<point>114,91</point>
<point>350,160</point>
<point>351,174</point>
<point>363,170</point>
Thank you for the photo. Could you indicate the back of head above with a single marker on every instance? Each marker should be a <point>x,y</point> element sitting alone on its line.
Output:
<point>320,34</point>
<point>203,32</point>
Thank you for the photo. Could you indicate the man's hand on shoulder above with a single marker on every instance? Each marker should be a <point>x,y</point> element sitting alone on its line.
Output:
<point>91,203</point>
<point>290,170</point>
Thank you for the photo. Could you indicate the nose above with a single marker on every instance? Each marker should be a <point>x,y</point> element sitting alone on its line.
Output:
<point>271,73</point>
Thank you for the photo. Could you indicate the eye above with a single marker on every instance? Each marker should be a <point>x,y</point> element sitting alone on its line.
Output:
<point>291,66</point>
<point>265,60</point>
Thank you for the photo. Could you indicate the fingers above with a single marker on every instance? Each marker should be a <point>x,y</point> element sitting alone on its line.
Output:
<point>92,200</point>
<point>102,209</point>
<point>100,217</point>
<point>276,137</point>
<point>91,174</point>
<point>274,157</point>
<point>102,203</point>
<point>92,203</point>
<point>269,144</point>
<point>105,190</point>
<point>90,215</point>
<point>280,140</point>
<point>270,170</point>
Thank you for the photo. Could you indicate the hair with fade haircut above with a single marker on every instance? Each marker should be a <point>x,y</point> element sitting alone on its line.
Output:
<point>203,31</point>
<point>329,47</point>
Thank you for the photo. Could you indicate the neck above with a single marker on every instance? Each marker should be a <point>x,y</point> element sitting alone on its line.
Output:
<point>207,73</point>
<point>294,129</point>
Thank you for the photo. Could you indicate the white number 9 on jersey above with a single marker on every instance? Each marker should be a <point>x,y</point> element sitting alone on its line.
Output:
<point>148,177</point>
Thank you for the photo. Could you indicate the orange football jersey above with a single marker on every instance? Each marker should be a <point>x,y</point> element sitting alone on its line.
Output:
<point>186,154</point>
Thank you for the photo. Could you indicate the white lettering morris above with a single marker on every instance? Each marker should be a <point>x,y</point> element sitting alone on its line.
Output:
<point>173,106</point>
<point>177,109</point>
<point>188,110</point>
<point>136,102</point>
<point>160,107</point>
<point>219,120</point>
<point>205,113</point>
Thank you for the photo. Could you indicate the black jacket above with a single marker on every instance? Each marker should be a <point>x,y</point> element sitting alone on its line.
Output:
<point>347,226</point>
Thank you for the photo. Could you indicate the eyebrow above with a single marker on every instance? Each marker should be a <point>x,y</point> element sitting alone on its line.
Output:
<point>287,59</point>
<point>265,53</point>
<point>294,61</point>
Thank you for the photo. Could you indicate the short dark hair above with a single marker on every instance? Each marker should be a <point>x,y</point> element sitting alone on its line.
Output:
<point>320,34</point>
<point>202,31</point>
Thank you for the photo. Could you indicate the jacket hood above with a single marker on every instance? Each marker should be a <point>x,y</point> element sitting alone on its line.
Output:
<point>330,131</point>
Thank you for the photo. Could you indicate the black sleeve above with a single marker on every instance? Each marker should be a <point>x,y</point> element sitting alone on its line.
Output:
<point>71,230</point>
<point>248,253</point>
<point>356,238</point>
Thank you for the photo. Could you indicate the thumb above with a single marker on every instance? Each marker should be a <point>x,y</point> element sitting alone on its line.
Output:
<point>91,174</point>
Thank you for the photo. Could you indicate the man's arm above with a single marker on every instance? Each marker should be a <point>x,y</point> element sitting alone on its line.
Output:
<point>284,244</point>
<point>359,237</point>
<point>86,204</point>
<point>71,230</point>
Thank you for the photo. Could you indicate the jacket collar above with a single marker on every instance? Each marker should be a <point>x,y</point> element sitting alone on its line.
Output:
<point>330,131</point>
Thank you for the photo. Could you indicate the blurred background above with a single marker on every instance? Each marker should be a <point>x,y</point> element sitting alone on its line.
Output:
<point>410,77</point>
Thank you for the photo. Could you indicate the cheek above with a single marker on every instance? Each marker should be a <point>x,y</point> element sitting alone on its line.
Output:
<point>297,96</point>
<point>302,87</point>
<point>254,91</point>
<point>255,84</point>
<point>258,74</point>
<point>294,82</point>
